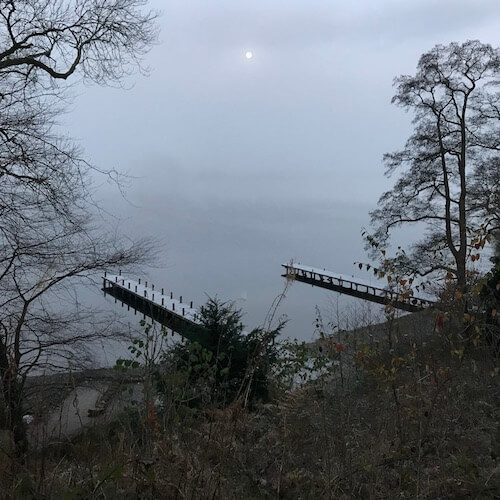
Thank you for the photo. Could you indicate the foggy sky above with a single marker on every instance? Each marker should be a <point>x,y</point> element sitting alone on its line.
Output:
<point>242,165</point>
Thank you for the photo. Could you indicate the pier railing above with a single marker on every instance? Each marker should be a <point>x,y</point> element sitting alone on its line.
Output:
<point>355,287</point>
<point>161,306</point>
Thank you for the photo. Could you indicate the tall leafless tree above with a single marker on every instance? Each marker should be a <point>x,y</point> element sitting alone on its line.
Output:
<point>448,181</point>
<point>49,237</point>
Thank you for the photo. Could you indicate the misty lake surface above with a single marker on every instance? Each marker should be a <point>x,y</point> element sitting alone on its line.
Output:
<point>234,248</point>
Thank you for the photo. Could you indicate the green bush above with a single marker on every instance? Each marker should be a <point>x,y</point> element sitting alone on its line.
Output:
<point>227,363</point>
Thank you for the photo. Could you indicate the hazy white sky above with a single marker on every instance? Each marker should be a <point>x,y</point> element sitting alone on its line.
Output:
<point>242,165</point>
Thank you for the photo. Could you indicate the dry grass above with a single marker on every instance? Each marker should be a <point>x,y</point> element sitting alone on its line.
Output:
<point>418,420</point>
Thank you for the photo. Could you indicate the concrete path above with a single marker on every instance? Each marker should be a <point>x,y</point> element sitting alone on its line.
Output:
<point>73,415</point>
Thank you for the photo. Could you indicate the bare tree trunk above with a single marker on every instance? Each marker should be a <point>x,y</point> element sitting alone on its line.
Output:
<point>462,253</point>
<point>12,395</point>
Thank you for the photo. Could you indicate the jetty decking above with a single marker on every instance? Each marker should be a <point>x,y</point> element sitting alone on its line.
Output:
<point>160,306</point>
<point>355,287</point>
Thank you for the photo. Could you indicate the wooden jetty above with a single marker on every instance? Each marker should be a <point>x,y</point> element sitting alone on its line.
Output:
<point>160,306</point>
<point>355,287</point>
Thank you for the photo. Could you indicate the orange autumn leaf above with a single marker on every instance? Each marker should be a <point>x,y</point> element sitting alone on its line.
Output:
<point>340,347</point>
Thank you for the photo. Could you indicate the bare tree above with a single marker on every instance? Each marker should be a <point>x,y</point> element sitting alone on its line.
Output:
<point>43,43</point>
<point>50,238</point>
<point>448,168</point>
<point>100,38</point>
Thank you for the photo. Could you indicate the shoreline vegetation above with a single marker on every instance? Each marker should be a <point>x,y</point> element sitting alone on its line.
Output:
<point>393,409</point>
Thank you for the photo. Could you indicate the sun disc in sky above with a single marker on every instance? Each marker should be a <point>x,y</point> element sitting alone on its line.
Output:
<point>248,54</point>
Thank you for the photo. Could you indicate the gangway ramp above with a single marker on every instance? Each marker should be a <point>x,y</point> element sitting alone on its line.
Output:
<point>355,287</point>
<point>161,307</point>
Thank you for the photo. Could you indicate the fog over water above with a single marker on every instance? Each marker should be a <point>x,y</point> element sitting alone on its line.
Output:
<point>241,165</point>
